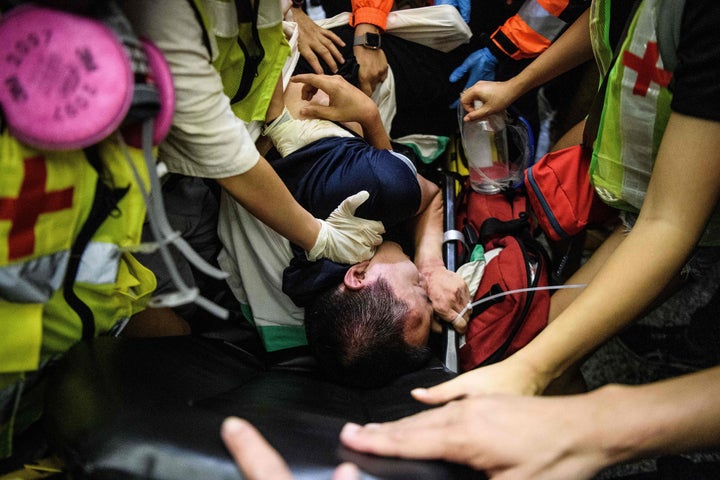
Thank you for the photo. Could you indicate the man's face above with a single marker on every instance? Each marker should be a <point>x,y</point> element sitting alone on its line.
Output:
<point>391,263</point>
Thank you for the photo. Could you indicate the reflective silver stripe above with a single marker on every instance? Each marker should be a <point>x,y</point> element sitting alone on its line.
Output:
<point>640,112</point>
<point>224,18</point>
<point>33,281</point>
<point>36,280</point>
<point>99,264</point>
<point>540,20</point>
<point>270,13</point>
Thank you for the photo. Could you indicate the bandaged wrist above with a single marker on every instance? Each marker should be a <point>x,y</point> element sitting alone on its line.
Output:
<point>289,134</point>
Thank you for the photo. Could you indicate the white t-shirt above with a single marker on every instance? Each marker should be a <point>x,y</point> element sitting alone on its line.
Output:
<point>206,139</point>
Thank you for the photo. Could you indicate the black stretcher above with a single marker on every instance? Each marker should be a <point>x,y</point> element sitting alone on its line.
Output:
<point>152,408</point>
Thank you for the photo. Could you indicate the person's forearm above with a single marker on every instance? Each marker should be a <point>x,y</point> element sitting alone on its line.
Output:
<point>622,289</point>
<point>261,191</point>
<point>374,131</point>
<point>679,201</point>
<point>571,49</point>
<point>428,232</point>
<point>674,416</point>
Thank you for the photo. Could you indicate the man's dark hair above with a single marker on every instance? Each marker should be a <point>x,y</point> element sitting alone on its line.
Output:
<point>357,335</point>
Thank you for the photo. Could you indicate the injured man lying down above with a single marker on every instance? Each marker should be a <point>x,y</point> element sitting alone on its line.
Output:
<point>366,323</point>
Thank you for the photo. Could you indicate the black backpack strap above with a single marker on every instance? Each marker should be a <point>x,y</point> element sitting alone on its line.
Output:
<point>253,51</point>
<point>104,203</point>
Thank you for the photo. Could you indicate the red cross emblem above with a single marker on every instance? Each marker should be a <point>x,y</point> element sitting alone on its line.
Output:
<point>647,69</point>
<point>32,201</point>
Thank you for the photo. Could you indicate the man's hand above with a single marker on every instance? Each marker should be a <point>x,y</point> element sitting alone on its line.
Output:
<point>542,438</point>
<point>462,6</point>
<point>372,68</point>
<point>346,102</point>
<point>345,238</point>
<point>512,375</point>
<point>315,41</point>
<point>479,65</point>
<point>372,64</point>
<point>258,460</point>
<point>449,295</point>
<point>495,97</point>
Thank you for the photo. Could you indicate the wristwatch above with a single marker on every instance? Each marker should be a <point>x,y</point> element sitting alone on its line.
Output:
<point>368,40</point>
<point>298,3</point>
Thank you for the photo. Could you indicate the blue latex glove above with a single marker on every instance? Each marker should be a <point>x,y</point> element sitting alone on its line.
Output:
<point>479,65</point>
<point>463,6</point>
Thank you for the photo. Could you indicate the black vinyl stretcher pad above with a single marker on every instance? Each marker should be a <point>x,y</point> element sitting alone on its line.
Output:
<point>152,409</point>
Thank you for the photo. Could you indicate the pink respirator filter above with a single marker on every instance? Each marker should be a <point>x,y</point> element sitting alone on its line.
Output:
<point>65,80</point>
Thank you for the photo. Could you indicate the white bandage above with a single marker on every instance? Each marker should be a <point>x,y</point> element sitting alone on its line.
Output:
<point>289,134</point>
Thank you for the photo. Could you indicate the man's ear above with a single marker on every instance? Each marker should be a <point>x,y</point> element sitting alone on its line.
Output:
<point>355,277</point>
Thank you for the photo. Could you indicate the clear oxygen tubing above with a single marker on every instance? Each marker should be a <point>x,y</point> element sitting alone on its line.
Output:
<point>164,235</point>
<point>472,305</point>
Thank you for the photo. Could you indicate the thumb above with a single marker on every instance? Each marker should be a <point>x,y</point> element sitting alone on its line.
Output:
<point>459,72</point>
<point>450,390</point>
<point>346,471</point>
<point>366,87</point>
<point>351,203</point>
<point>315,111</point>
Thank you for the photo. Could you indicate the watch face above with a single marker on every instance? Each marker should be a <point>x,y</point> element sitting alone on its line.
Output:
<point>372,40</point>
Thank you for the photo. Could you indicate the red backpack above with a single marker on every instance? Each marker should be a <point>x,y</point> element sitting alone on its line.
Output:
<point>503,325</point>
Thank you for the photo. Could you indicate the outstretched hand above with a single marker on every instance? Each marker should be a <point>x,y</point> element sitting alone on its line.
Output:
<point>316,43</point>
<point>512,375</point>
<point>346,102</point>
<point>543,438</point>
<point>495,97</point>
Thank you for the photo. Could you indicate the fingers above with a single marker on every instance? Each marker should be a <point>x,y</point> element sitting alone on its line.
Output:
<point>457,316</point>
<point>459,72</point>
<point>366,87</point>
<point>346,471</point>
<point>351,203</point>
<point>308,91</point>
<point>316,111</point>
<point>331,54</point>
<point>310,80</point>
<point>442,393</point>
<point>252,453</point>
<point>468,102</point>
<point>309,55</point>
<point>419,436</point>
<point>460,322</point>
<point>336,40</point>
<point>330,84</point>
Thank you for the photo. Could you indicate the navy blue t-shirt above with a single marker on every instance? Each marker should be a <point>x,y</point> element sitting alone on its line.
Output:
<point>326,172</point>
